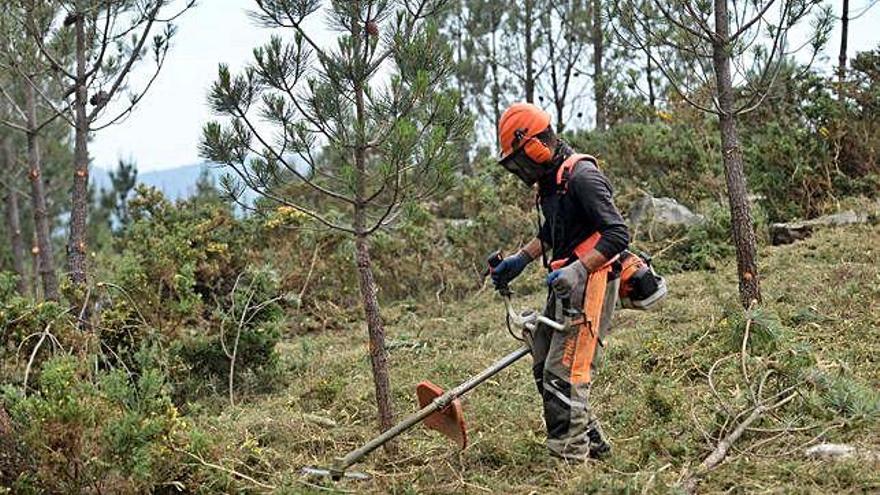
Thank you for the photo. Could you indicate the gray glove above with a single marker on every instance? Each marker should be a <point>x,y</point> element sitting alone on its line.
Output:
<point>566,278</point>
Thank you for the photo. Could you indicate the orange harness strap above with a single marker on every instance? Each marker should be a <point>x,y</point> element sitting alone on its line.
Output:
<point>588,333</point>
<point>580,357</point>
<point>581,249</point>
<point>567,167</point>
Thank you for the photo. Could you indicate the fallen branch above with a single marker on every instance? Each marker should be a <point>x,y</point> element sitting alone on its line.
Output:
<point>669,246</point>
<point>226,470</point>
<point>716,457</point>
<point>319,420</point>
<point>744,352</point>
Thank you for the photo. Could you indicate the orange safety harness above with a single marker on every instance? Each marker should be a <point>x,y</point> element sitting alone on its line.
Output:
<point>579,354</point>
<point>640,287</point>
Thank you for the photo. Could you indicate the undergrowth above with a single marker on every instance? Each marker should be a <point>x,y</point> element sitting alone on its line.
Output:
<point>652,394</point>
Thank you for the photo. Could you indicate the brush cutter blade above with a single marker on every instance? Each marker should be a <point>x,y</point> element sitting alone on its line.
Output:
<point>450,420</point>
<point>313,472</point>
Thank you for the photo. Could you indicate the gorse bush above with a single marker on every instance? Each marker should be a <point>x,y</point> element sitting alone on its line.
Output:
<point>21,318</point>
<point>83,431</point>
<point>669,157</point>
<point>245,327</point>
<point>184,280</point>
<point>176,258</point>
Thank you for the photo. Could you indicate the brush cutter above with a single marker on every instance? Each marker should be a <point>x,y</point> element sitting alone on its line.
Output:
<point>442,411</point>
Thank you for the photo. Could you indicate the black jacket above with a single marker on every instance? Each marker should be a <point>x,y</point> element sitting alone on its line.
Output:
<point>584,208</point>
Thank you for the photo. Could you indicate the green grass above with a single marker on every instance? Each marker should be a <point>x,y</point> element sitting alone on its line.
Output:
<point>819,324</point>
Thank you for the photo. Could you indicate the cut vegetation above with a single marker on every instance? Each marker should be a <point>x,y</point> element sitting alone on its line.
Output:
<point>817,331</point>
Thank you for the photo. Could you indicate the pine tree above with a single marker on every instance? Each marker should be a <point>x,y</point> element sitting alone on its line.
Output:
<point>13,212</point>
<point>844,38</point>
<point>24,81</point>
<point>109,213</point>
<point>600,78</point>
<point>376,101</point>
<point>565,30</point>
<point>92,54</point>
<point>122,183</point>
<point>710,38</point>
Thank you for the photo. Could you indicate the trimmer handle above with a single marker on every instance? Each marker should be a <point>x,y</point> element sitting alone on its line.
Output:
<point>493,261</point>
<point>566,304</point>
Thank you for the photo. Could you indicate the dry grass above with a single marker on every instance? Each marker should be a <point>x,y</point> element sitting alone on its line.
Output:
<point>820,322</point>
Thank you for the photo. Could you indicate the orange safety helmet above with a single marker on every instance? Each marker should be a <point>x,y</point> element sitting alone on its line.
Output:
<point>519,124</point>
<point>523,153</point>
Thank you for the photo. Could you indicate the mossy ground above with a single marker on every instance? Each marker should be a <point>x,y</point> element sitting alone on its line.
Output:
<point>652,394</point>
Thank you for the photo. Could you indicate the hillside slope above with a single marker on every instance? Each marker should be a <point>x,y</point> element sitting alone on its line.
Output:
<point>819,329</point>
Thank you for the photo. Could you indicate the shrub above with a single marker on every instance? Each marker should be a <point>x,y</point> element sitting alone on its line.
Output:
<point>246,327</point>
<point>674,158</point>
<point>182,281</point>
<point>810,143</point>
<point>85,431</point>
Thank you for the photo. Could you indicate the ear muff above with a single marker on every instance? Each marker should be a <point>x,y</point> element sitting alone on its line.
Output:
<point>537,151</point>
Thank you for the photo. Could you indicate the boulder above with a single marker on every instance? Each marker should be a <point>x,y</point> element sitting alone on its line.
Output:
<point>786,233</point>
<point>662,217</point>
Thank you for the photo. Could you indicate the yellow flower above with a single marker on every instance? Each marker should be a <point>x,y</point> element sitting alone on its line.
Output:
<point>284,215</point>
<point>664,115</point>
<point>217,247</point>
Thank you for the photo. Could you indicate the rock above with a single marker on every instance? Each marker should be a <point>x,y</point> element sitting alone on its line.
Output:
<point>786,233</point>
<point>831,451</point>
<point>662,217</point>
<point>319,420</point>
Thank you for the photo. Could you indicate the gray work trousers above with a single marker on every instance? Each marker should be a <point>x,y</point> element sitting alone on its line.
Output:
<point>564,363</point>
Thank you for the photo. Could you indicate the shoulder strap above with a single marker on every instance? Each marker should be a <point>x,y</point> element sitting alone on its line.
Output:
<point>566,170</point>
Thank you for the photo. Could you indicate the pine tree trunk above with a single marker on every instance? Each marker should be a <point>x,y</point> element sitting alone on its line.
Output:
<point>38,202</point>
<point>496,86</point>
<point>649,74</point>
<point>76,248</point>
<point>558,96</point>
<point>844,33</point>
<point>376,330</point>
<point>375,327</point>
<point>466,166</point>
<point>599,83</point>
<point>740,214</point>
<point>13,220</point>
<point>35,266</point>
<point>529,52</point>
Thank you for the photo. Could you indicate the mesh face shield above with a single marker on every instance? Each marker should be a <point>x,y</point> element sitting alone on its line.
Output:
<point>520,165</point>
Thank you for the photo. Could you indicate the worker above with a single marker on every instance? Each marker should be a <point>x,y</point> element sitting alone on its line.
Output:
<point>579,239</point>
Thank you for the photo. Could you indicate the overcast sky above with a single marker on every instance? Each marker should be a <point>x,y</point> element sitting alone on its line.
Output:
<point>164,130</point>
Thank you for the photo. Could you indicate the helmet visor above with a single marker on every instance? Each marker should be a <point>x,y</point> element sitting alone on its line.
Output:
<point>520,165</point>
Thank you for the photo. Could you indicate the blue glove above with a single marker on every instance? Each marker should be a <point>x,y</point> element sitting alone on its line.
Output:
<point>509,268</point>
<point>566,278</point>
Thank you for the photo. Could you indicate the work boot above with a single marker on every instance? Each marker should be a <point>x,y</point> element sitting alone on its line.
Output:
<point>599,446</point>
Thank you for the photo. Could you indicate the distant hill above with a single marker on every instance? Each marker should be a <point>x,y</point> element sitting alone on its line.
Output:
<point>175,183</point>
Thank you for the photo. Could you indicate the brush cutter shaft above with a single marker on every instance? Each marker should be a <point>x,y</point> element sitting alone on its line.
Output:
<point>437,404</point>
<point>530,319</point>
